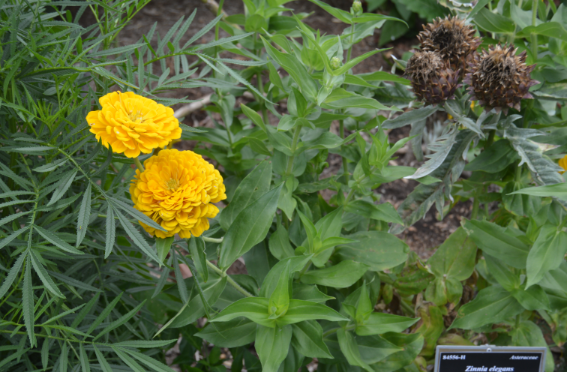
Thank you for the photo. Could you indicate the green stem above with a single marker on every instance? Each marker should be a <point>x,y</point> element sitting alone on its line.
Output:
<point>490,140</point>
<point>289,169</point>
<point>229,279</point>
<point>534,45</point>
<point>474,213</point>
<point>344,160</point>
<point>139,164</point>
<point>213,240</point>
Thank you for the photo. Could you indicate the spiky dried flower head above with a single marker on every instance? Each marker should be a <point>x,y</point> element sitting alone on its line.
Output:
<point>431,79</point>
<point>132,124</point>
<point>451,39</point>
<point>176,190</point>
<point>499,79</point>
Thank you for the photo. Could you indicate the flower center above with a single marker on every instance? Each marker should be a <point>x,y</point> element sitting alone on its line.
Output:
<point>136,115</point>
<point>172,184</point>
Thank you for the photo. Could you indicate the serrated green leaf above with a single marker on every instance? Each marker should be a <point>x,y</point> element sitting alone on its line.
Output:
<point>44,276</point>
<point>56,240</point>
<point>84,216</point>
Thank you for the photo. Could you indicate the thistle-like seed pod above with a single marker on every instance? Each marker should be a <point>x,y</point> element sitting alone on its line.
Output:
<point>451,39</point>
<point>432,80</point>
<point>499,79</point>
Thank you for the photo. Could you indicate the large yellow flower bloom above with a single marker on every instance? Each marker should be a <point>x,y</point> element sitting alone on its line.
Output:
<point>563,163</point>
<point>177,189</point>
<point>132,124</point>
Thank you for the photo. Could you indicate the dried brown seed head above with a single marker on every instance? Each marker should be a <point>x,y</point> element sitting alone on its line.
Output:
<point>432,80</point>
<point>452,39</point>
<point>499,79</point>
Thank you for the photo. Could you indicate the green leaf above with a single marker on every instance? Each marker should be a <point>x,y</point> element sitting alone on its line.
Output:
<point>350,350</point>
<point>135,213</point>
<point>558,190</point>
<point>533,298</point>
<point>110,231</point>
<point>410,117</point>
<point>84,216</point>
<point>102,360</point>
<point>44,276</point>
<point>546,254</point>
<point>147,360</point>
<point>308,340</point>
<point>376,249</point>
<point>279,299</point>
<point>492,305</point>
<point>230,334</point>
<point>296,263</point>
<point>495,241</point>
<point>300,310</point>
<point>379,323</point>
<point>163,246</point>
<point>494,22</point>
<point>7,240</point>
<point>494,159</point>
<point>199,256</point>
<point>381,212</point>
<point>254,116</point>
<point>250,227</point>
<point>272,345</point>
<point>549,29</point>
<point>181,286</point>
<point>342,275</point>
<point>252,187</point>
<point>62,187</point>
<point>529,334</point>
<point>127,360</point>
<point>104,314</point>
<point>455,258</point>
<point>344,16</point>
<point>84,359</point>
<point>279,244</point>
<point>56,240</point>
<point>384,76</point>
<point>253,308</point>
<point>296,70</point>
<point>120,321</point>
<point>28,302</point>
<point>509,280</point>
<point>309,292</point>
<point>136,237</point>
<point>14,271</point>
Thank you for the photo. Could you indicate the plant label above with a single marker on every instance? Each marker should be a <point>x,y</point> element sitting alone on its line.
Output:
<point>489,359</point>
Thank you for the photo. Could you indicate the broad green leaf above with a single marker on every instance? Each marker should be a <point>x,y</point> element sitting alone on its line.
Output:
<point>546,254</point>
<point>494,22</point>
<point>533,298</point>
<point>455,258</point>
<point>432,325</point>
<point>384,76</point>
<point>495,241</point>
<point>376,249</point>
<point>342,275</point>
<point>300,310</point>
<point>492,305</point>
<point>279,299</point>
<point>272,345</point>
<point>199,256</point>
<point>379,323</point>
<point>375,348</point>
<point>309,292</point>
<point>530,334</point>
<point>279,244</point>
<point>253,308</point>
<point>296,263</point>
<point>509,280</point>
<point>84,216</point>
<point>381,212</point>
<point>494,159</point>
<point>308,340</point>
<point>254,116</point>
<point>549,29</point>
<point>250,227</point>
<point>411,345</point>
<point>350,350</point>
<point>233,333</point>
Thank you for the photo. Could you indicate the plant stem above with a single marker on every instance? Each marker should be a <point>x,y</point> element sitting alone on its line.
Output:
<point>344,160</point>
<point>229,279</point>
<point>474,212</point>
<point>289,169</point>
<point>534,45</point>
<point>139,164</point>
<point>213,240</point>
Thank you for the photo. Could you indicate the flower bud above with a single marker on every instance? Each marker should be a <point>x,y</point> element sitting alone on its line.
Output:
<point>335,63</point>
<point>356,8</point>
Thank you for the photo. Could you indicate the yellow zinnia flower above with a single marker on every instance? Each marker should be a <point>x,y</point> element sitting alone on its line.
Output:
<point>132,124</point>
<point>563,163</point>
<point>177,189</point>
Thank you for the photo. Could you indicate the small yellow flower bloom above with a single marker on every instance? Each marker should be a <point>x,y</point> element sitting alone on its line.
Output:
<point>563,163</point>
<point>177,190</point>
<point>132,124</point>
